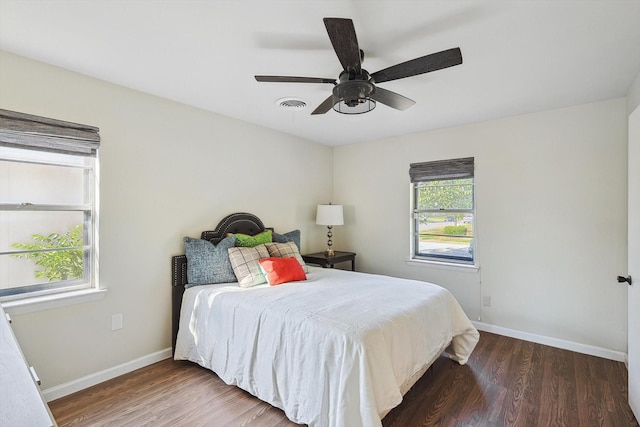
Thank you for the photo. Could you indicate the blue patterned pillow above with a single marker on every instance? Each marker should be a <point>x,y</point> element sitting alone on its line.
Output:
<point>292,236</point>
<point>208,263</point>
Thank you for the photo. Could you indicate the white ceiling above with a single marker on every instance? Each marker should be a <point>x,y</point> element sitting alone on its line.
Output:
<point>519,56</point>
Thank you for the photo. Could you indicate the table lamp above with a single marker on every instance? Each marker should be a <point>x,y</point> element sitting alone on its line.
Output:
<point>329,215</point>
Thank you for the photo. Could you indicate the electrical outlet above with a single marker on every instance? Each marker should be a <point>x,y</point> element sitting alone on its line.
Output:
<point>486,301</point>
<point>116,322</point>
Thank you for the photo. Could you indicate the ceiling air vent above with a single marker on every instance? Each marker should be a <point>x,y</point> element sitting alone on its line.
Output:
<point>291,103</point>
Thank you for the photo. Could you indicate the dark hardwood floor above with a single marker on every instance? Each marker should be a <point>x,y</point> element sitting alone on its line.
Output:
<point>507,382</point>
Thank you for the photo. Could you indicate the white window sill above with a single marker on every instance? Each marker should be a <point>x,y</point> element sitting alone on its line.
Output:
<point>45,302</point>
<point>465,268</point>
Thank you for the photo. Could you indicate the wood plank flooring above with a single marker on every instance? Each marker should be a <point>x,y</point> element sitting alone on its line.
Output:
<point>507,382</point>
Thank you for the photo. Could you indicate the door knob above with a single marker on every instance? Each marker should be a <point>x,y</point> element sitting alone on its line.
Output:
<point>624,279</point>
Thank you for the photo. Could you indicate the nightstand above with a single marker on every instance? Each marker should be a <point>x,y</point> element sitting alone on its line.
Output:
<point>324,261</point>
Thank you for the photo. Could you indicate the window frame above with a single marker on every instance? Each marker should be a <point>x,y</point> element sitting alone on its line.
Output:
<point>37,140</point>
<point>441,170</point>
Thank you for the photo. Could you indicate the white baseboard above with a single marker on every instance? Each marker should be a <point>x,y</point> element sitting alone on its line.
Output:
<point>62,390</point>
<point>605,353</point>
<point>626,362</point>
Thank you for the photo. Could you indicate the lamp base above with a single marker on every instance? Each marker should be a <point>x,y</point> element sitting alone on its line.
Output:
<point>329,251</point>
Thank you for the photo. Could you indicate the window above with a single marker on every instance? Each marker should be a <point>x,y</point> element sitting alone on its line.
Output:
<point>443,210</point>
<point>48,193</point>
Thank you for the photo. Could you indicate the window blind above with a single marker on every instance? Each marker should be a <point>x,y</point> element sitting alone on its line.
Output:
<point>21,130</point>
<point>441,169</point>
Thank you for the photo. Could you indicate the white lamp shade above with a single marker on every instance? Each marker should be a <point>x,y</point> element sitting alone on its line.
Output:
<point>329,215</point>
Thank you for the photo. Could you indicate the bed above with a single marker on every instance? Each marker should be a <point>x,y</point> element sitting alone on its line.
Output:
<point>337,349</point>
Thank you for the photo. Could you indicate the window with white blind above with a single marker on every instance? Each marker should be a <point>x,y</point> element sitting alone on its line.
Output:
<point>443,210</point>
<point>48,209</point>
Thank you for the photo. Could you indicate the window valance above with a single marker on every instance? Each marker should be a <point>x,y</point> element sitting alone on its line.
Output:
<point>40,133</point>
<point>441,169</point>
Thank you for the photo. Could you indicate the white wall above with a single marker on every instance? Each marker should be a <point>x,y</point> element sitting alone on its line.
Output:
<point>633,95</point>
<point>550,221</point>
<point>167,171</point>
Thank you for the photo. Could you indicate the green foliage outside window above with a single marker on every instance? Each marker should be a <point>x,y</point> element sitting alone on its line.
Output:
<point>455,230</point>
<point>59,265</point>
<point>446,194</point>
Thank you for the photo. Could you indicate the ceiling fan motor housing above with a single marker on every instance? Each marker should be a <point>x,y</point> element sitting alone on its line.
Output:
<point>353,96</point>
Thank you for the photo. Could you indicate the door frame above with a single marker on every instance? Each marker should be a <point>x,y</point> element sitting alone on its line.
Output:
<point>633,263</point>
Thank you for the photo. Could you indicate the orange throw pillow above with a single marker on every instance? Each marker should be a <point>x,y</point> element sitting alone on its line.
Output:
<point>282,270</point>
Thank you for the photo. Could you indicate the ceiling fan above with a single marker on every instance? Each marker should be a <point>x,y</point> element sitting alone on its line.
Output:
<point>356,90</point>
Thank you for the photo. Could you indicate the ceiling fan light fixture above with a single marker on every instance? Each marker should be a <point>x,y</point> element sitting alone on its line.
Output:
<point>353,97</point>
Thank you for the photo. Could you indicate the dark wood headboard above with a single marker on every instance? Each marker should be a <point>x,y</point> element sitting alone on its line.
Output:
<point>241,222</point>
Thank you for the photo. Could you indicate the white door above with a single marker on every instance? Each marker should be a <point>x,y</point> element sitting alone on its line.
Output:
<point>634,262</point>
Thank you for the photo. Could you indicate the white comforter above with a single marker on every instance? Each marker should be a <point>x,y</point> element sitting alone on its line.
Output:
<point>336,350</point>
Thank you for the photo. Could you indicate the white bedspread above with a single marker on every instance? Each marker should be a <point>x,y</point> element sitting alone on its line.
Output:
<point>336,350</point>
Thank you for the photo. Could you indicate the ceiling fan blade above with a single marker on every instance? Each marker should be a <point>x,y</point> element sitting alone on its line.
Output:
<point>324,107</point>
<point>392,99</point>
<point>425,64</point>
<point>345,43</point>
<point>291,79</point>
